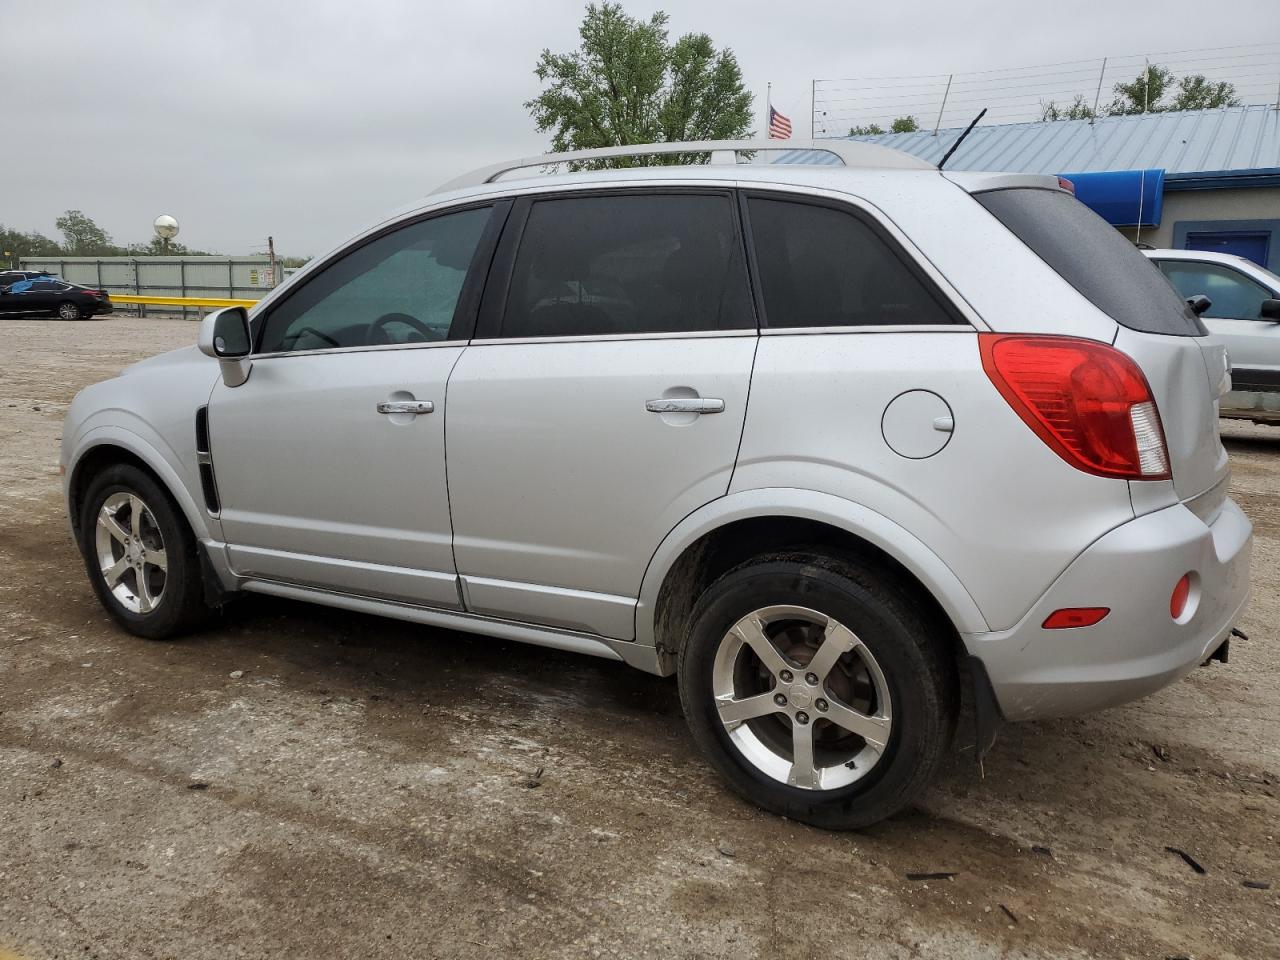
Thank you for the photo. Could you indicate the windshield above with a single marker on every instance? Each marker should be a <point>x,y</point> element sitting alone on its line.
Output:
<point>1093,257</point>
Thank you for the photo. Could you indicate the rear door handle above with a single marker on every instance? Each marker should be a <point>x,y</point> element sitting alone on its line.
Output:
<point>406,406</point>
<point>685,405</point>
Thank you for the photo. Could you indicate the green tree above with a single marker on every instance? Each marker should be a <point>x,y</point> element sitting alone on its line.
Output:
<point>15,244</point>
<point>1145,93</point>
<point>155,248</point>
<point>1078,109</point>
<point>82,237</point>
<point>1195,92</point>
<point>627,84</point>
<point>905,124</point>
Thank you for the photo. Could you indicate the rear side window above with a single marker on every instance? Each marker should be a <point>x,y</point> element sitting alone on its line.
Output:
<point>1232,295</point>
<point>821,267</point>
<point>617,265</point>
<point>1093,257</point>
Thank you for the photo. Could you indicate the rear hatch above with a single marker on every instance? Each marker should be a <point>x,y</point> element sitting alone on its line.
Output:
<point>1156,327</point>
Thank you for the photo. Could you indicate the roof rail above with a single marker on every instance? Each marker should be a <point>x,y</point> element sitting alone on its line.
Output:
<point>852,153</point>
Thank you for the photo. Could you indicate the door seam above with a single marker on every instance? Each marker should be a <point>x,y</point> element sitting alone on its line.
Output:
<point>448,492</point>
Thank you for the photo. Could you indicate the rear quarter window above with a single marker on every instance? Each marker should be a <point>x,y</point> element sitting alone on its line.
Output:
<point>1093,257</point>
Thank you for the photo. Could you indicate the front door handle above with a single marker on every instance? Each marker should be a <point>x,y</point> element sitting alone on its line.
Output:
<point>406,406</point>
<point>685,405</point>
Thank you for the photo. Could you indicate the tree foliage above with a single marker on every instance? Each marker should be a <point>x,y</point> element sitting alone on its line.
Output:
<point>1195,92</point>
<point>82,237</point>
<point>16,243</point>
<point>1146,93</point>
<point>905,124</point>
<point>627,84</point>
<point>1078,109</point>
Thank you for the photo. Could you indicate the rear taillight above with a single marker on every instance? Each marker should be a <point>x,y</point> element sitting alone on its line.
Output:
<point>93,293</point>
<point>1088,401</point>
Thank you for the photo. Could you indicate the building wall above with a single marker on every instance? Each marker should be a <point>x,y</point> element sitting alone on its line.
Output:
<point>1253,203</point>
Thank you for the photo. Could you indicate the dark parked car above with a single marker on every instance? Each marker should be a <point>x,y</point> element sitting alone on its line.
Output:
<point>13,276</point>
<point>52,297</point>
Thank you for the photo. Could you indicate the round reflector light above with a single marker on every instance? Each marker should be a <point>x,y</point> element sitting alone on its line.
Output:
<point>1181,591</point>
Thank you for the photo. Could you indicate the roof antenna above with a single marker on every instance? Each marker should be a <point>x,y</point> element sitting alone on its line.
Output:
<point>960,139</point>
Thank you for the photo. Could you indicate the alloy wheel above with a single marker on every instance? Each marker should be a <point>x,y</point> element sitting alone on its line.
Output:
<point>802,699</point>
<point>131,552</point>
<point>68,311</point>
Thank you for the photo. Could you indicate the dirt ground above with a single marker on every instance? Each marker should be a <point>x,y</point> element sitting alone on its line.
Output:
<point>362,789</point>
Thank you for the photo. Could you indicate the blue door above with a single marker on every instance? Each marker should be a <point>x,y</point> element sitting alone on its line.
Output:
<point>1252,246</point>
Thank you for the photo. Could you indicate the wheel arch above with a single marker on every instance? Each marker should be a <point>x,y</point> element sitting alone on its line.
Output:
<point>106,446</point>
<point>726,531</point>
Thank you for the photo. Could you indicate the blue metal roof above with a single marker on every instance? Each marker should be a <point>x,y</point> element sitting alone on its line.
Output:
<point>1226,142</point>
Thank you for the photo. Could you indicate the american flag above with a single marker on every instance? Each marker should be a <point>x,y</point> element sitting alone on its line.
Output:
<point>779,126</point>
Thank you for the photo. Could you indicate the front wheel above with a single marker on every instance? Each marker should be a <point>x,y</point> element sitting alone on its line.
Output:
<point>140,554</point>
<point>816,688</point>
<point>68,311</point>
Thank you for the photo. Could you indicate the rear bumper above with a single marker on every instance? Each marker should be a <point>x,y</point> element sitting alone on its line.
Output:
<point>1138,647</point>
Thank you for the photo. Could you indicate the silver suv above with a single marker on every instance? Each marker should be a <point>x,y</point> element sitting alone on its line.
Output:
<point>831,443</point>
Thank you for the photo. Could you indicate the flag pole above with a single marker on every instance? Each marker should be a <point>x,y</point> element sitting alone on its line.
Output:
<point>768,92</point>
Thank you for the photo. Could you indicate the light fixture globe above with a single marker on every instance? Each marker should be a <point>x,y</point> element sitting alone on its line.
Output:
<point>166,227</point>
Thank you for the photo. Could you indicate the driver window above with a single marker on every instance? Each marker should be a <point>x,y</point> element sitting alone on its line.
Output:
<point>1232,295</point>
<point>401,288</point>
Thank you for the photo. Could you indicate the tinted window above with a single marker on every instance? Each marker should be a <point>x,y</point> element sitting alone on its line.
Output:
<point>44,285</point>
<point>1093,257</point>
<point>400,288</point>
<point>1232,294</point>
<point>590,266</point>
<point>821,267</point>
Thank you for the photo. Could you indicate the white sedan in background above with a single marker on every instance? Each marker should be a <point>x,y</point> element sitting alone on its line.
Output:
<point>1243,314</point>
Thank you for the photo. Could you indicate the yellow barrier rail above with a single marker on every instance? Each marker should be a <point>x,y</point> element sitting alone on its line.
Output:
<point>180,301</point>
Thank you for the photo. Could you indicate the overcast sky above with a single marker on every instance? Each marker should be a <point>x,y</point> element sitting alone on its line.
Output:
<point>310,120</point>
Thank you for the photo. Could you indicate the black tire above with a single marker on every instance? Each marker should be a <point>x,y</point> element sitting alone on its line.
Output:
<point>181,605</point>
<point>68,310</point>
<point>912,653</point>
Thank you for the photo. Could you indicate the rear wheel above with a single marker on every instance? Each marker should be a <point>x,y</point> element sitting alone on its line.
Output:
<point>140,554</point>
<point>817,689</point>
<point>68,311</point>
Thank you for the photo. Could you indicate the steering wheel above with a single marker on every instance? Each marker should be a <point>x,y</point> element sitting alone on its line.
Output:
<point>378,329</point>
<point>295,337</point>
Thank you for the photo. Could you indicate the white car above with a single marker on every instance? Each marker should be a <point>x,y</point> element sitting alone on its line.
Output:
<point>1243,314</point>
<point>829,443</point>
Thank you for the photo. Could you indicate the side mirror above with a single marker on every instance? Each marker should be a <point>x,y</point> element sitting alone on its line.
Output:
<point>1199,304</point>
<point>224,335</point>
<point>1270,310</point>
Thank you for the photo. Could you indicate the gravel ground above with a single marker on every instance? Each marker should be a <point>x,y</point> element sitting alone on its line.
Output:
<point>304,782</point>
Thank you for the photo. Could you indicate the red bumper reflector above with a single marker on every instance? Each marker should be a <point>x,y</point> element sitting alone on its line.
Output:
<point>1178,602</point>
<point>1074,617</point>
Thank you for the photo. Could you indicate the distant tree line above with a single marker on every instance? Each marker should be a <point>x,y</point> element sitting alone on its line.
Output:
<point>81,237</point>
<point>1154,90</point>
<point>900,125</point>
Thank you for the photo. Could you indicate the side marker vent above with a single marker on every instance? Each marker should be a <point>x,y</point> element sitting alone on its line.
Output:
<point>204,460</point>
